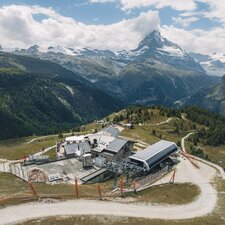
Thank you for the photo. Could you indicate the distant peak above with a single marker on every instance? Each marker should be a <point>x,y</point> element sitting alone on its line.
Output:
<point>1,48</point>
<point>33,48</point>
<point>155,33</point>
<point>50,47</point>
<point>154,38</point>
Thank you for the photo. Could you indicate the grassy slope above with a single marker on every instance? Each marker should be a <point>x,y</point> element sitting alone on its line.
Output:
<point>17,148</point>
<point>144,132</point>
<point>168,194</point>
<point>16,151</point>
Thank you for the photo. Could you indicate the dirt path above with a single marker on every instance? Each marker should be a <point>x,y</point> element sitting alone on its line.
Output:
<point>183,140</point>
<point>46,150</point>
<point>34,139</point>
<point>219,168</point>
<point>163,122</point>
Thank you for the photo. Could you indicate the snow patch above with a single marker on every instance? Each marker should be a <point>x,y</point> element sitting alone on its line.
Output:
<point>172,51</point>
<point>70,89</point>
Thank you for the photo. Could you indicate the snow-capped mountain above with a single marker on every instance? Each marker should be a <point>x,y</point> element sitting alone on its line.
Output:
<point>157,71</point>
<point>214,65</point>
<point>154,46</point>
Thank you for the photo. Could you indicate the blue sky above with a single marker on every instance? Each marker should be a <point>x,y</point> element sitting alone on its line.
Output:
<point>109,12</point>
<point>113,24</point>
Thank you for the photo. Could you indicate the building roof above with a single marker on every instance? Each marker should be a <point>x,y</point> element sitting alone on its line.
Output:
<point>116,145</point>
<point>153,150</point>
<point>103,141</point>
<point>114,132</point>
<point>76,138</point>
<point>79,148</point>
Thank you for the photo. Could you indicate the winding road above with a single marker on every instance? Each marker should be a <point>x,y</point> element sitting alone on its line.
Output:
<point>204,204</point>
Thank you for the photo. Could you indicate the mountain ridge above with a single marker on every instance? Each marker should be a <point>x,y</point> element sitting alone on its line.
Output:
<point>156,60</point>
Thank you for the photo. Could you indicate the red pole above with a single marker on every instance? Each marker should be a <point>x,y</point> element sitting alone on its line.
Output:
<point>121,186</point>
<point>76,187</point>
<point>99,190</point>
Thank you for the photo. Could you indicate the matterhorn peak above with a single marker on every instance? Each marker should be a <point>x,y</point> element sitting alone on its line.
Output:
<point>153,39</point>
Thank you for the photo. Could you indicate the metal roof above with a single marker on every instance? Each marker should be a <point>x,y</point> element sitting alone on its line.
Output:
<point>70,149</point>
<point>114,132</point>
<point>153,150</point>
<point>116,145</point>
<point>83,147</point>
<point>93,175</point>
<point>103,141</point>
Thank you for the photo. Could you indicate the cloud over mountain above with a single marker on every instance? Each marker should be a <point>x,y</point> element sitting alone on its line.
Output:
<point>19,28</point>
<point>23,26</point>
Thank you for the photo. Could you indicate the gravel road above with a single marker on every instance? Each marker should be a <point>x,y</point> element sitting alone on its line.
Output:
<point>203,205</point>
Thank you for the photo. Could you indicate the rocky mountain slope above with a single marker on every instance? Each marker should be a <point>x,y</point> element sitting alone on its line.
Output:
<point>41,97</point>
<point>214,65</point>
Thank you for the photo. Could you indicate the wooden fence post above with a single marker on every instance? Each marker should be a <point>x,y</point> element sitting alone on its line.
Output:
<point>76,187</point>
<point>121,186</point>
<point>99,190</point>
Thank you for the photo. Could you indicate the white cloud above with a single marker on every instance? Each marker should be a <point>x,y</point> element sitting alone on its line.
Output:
<point>185,22</point>
<point>177,5</point>
<point>128,5</point>
<point>18,28</point>
<point>216,10</point>
<point>197,40</point>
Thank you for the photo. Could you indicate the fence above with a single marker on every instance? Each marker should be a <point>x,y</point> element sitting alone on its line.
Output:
<point>17,170</point>
<point>151,178</point>
<point>36,191</point>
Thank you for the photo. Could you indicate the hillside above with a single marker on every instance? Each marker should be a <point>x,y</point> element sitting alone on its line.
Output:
<point>154,123</point>
<point>212,98</point>
<point>41,97</point>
